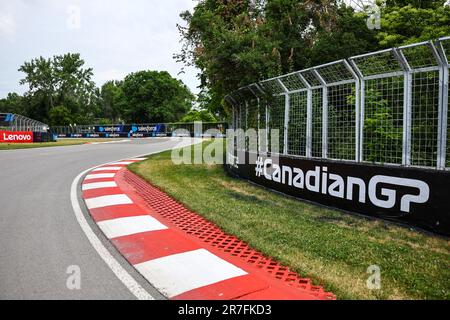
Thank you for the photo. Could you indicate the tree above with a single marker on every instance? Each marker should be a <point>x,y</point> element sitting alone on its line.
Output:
<point>153,96</point>
<point>381,130</point>
<point>13,103</point>
<point>222,40</point>
<point>60,81</point>
<point>405,22</point>
<point>198,115</point>
<point>349,36</point>
<point>235,43</point>
<point>113,101</point>
<point>60,116</point>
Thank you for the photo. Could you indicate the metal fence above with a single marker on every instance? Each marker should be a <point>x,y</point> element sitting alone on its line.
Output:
<point>15,122</point>
<point>385,107</point>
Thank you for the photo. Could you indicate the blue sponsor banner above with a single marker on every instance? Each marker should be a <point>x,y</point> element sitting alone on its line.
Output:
<point>131,129</point>
<point>6,117</point>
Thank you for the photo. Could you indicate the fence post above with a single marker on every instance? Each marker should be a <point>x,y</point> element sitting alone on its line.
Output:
<point>324,114</point>
<point>443,105</point>
<point>358,110</point>
<point>407,107</point>
<point>309,116</point>
<point>287,105</point>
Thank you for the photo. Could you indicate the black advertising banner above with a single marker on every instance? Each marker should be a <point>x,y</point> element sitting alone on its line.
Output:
<point>43,137</point>
<point>414,196</point>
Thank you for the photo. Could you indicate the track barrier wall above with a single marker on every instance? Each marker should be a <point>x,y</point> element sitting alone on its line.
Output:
<point>366,134</point>
<point>140,130</point>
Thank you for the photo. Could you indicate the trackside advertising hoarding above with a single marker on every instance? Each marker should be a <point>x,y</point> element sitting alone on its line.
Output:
<point>16,136</point>
<point>414,196</point>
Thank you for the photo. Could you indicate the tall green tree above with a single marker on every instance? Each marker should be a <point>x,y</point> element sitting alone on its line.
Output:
<point>113,101</point>
<point>153,96</point>
<point>60,81</point>
<point>238,42</point>
<point>198,115</point>
<point>13,103</point>
<point>405,22</point>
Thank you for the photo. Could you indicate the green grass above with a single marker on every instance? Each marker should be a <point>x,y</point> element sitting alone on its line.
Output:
<point>59,143</point>
<point>331,247</point>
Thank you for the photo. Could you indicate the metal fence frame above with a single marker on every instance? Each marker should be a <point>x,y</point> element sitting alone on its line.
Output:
<point>22,123</point>
<point>325,79</point>
<point>443,47</point>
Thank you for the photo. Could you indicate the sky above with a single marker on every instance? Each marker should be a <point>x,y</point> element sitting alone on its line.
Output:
<point>114,37</point>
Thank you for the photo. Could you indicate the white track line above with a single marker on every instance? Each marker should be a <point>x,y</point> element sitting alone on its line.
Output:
<point>108,142</point>
<point>98,185</point>
<point>183,272</point>
<point>130,225</point>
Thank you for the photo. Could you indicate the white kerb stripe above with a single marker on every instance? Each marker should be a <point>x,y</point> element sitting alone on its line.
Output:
<point>139,159</point>
<point>179,273</point>
<point>130,225</point>
<point>107,169</point>
<point>122,163</point>
<point>99,176</point>
<point>98,185</point>
<point>107,201</point>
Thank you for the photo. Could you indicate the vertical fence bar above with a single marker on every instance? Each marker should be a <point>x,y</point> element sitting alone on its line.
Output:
<point>407,106</point>
<point>309,116</point>
<point>325,122</point>
<point>441,126</point>
<point>266,105</point>
<point>258,103</point>
<point>358,109</point>
<point>309,121</point>
<point>324,114</point>
<point>443,101</point>
<point>287,105</point>
<point>444,121</point>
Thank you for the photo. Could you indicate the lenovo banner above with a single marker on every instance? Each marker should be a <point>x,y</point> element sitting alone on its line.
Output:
<point>414,196</point>
<point>16,137</point>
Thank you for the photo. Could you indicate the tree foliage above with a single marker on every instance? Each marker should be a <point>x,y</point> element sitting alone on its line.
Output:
<point>61,92</point>
<point>238,42</point>
<point>113,102</point>
<point>198,115</point>
<point>60,81</point>
<point>406,22</point>
<point>153,96</point>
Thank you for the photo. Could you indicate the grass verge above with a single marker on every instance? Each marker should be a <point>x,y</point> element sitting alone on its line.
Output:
<point>59,143</point>
<point>333,248</point>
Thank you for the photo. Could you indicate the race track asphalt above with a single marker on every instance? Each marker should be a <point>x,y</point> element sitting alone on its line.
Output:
<point>40,237</point>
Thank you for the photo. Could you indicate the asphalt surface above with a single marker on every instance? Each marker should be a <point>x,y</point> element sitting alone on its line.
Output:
<point>40,237</point>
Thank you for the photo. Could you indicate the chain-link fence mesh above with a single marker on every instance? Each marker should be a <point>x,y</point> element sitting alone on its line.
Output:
<point>387,107</point>
<point>382,105</point>
<point>297,124</point>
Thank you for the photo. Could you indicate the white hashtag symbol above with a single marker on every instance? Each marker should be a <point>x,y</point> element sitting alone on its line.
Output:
<point>259,167</point>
